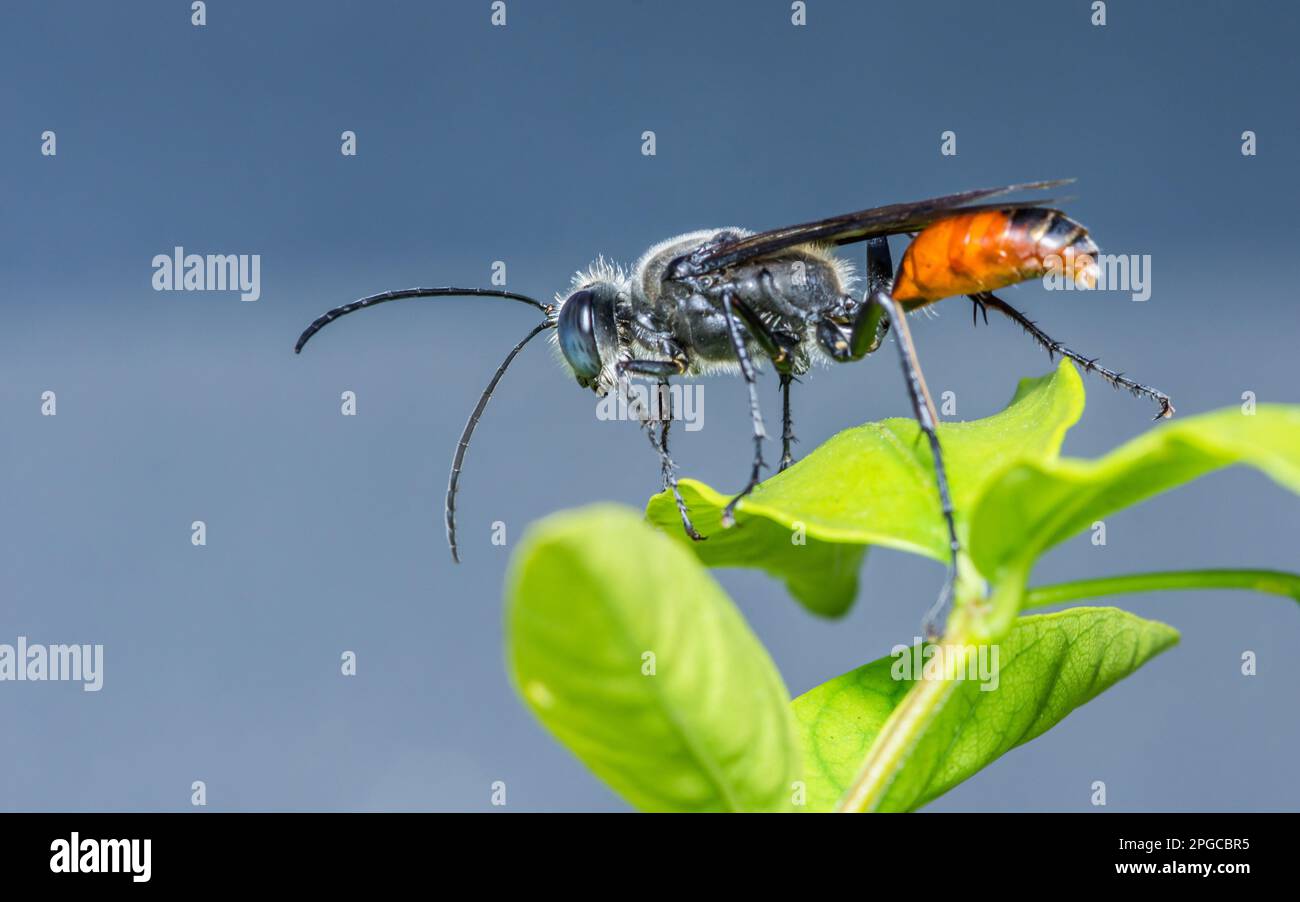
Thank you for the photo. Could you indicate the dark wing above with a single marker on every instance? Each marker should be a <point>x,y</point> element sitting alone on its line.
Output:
<point>846,229</point>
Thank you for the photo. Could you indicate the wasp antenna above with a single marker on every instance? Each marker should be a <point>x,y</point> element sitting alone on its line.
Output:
<point>453,480</point>
<point>328,317</point>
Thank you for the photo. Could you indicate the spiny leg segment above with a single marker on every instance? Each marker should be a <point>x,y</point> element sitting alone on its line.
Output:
<point>985,300</point>
<point>787,424</point>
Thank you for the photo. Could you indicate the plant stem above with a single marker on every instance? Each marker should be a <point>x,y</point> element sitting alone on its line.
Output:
<point>905,724</point>
<point>1270,582</point>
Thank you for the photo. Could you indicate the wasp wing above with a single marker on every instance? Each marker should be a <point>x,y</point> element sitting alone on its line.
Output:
<point>848,228</point>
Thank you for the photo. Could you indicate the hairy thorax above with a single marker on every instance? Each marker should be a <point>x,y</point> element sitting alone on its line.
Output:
<point>789,291</point>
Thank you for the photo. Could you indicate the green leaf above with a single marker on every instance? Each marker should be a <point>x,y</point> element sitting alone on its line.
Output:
<point>870,485</point>
<point>822,574</point>
<point>1036,504</point>
<point>591,594</point>
<point>1048,665</point>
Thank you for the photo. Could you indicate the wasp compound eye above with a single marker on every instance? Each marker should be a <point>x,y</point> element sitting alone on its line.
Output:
<point>588,333</point>
<point>577,334</point>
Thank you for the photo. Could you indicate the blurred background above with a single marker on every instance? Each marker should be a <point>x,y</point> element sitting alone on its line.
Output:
<point>523,144</point>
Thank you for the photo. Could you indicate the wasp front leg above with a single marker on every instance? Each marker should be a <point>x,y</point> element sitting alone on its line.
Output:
<point>662,369</point>
<point>669,468</point>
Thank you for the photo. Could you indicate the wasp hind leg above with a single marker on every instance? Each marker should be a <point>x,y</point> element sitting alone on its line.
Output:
<point>986,300</point>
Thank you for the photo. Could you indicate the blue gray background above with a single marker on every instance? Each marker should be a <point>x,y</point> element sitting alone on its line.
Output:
<point>522,144</point>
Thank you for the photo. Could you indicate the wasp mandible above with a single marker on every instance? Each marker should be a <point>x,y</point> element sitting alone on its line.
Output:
<point>715,300</point>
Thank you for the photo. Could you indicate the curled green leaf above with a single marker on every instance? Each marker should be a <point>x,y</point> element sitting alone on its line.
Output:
<point>1036,504</point>
<point>871,485</point>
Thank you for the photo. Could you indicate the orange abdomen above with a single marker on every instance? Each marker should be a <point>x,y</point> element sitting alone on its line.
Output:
<point>983,251</point>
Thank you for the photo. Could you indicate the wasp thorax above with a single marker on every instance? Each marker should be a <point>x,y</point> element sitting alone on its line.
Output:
<point>588,332</point>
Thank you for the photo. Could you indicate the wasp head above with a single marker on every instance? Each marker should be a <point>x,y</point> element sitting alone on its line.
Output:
<point>587,330</point>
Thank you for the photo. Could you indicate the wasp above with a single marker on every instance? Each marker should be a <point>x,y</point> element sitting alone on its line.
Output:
<point>719,300</point>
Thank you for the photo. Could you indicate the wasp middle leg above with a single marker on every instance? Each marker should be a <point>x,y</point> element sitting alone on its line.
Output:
<point>729,311</point>
<point>985,300</point>
<point>846,343</point>
<point>787,424</point>
<point>780,348</point>
<point>866,335</point>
